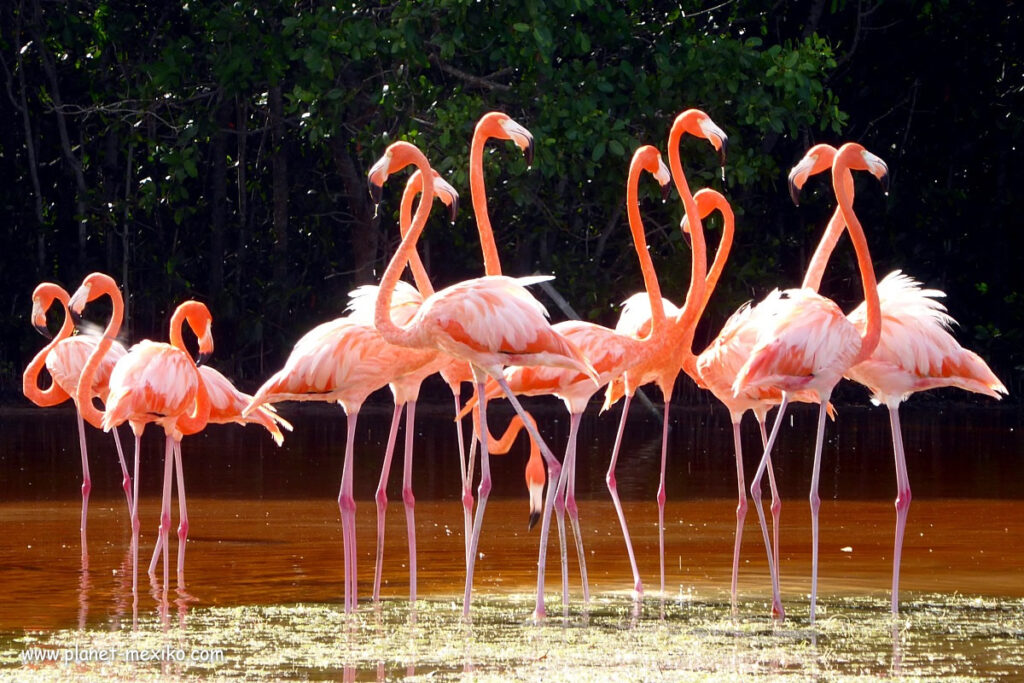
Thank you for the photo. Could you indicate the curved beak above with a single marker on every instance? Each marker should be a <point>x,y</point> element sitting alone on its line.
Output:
<point>534,517</point>
<point>376,177</point>
<point>203,357</point>
<point>43,330</point>
<point>522,137</point>
<point>684,226</point>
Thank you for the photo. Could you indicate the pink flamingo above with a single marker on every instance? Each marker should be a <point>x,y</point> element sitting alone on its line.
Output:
<point>610,353</point>
<point>64,357</point>
<point>490,322</point>
<point>808,345</point>
<point>669,338</point>
<point>154,382</point>
<point>346,360</point>
<point>915,352</point>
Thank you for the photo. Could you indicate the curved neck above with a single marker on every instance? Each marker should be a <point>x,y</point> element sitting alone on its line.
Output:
<point>200,415</point>
<point>842,181</point>
<point>721,256</point>
<point>177,323</point>
<point>83,395</point>
<point>419,273</point>
<point>698,269</point>
<point>478,194</point>
<point>816,268</point>
<point>636,227</point>
<point>392,333</point>
<point>30,378</point>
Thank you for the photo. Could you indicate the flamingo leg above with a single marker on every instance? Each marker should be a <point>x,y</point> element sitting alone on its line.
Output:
<point>613,489</point>
<point>661,493</point>
<point>815,501</point>
<point>467,484</point>
<point>347,506</point>
<point>182,512</point>
<point>408,498</point>
<point>126,480</point>
<point>482,493</point>
<point>165,506</point>
<point>741,506</point>
<point>559,508</point>
<point>776,506</point>
<point>570,501</point>
<point>382,498</point>
<point>554,473</point>
<point>903,498</point>
<point>135,520</point>
<point>86,488</point>
<point>755,494</point>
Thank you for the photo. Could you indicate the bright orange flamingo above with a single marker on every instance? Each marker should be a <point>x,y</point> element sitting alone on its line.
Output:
<point>64,357</point>
<point>915,352</point>
<point>668,338</point>
<point>346,360</point>
<point>610,353</point>
<point>226,405</point>
<point>491,322</point>
<point>154,382</point>
<point>809,344</point>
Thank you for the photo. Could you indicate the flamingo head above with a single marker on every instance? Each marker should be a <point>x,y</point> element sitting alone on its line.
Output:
<point>817,159</point>
<point>397,156</point>
<point>42,298</point>
<point>859,159</point>
<point>535,477</point>
<point>697,123</point>
<point>707,200</point>
<point>93,286</point>
<point>198,317</point>
<point>442,190</point>
<point>498,124</point>
<point>648,158</point>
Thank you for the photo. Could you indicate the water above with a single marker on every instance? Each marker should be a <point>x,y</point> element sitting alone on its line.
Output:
<point>264,575</point>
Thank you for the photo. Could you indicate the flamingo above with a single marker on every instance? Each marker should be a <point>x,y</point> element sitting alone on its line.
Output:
<point>610,353</point>
<point>915,352</point>
<point>715,369</point>
<point>154,382</point>
<point>64,358</point>
<point>490,322</point>
<point>534,471</point>
<point>809,344</point>
<point>346,360</point>
<point>668,337</point>
<point>226,405</point>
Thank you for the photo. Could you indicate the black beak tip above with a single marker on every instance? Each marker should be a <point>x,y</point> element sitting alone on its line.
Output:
<point>688,240</point>
<point>534,518</point>
<point>76,318</point>
<point>454,209</point>
<point>376,192</point>
<point>794,194</point>
<point>43,330</point>
<point>885,183</point>
<point>202,358</point>
<point>529,154</point>
<point>665,189</point>
<point>721,152</point>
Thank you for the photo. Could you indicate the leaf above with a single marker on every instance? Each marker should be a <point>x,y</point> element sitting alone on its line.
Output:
<point>598,151</point>
<point>521,27</point>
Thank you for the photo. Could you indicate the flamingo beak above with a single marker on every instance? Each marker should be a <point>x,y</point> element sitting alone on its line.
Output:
<point>43,330</point>
<point>522,137</point>
<point>376,177</point>
<point>203,357</point>
<point>684,226</point>
<point>798,176</point>
<point>453,209</point>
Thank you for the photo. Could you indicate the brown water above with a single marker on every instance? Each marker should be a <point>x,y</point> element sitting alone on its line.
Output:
<point>265,548</point>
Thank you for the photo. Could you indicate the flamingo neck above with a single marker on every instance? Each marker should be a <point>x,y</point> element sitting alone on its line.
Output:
<point>842,180</point>
<point>392,333</point>
<point>816,268</point>
<point>83,395</point>
<point>30,378</point>
<point>721,256</point>
<point>636,227</point>
<point>478,195</point>
<point>695,299</point>
<point>419,273</point>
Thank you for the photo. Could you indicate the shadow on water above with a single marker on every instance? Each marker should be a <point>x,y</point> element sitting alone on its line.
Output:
<point>264,574</point>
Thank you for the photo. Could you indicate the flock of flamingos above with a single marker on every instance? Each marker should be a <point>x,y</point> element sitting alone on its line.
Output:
<point>795,345</point>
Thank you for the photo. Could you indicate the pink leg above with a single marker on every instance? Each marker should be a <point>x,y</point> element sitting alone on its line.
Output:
<point>661,493</point>
<point>182,512</point>
<point>482,493</point>
<point>347,507</point>
<point>135,521</point>
<point>559,509</point>
<point>126,480</point>
<point>382,498</point>
<point>570,501</point>
<point>86,488</point>
<point>776,507</point>
<point>755,494</point>
<point>741,507</point>
<point>407,497</point>
<point>815,501</point>
<point>467,484</point>
<point>165,507</point>
<point>903,498</point>
<point>638,586</point>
